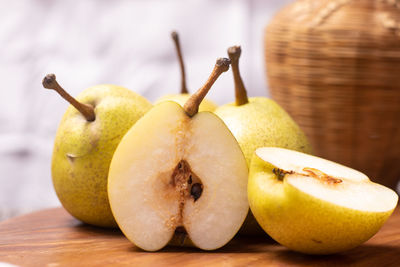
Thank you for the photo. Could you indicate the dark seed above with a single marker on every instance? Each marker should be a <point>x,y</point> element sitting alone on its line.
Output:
<point>180,230</point>
<point>196,191</point>
<point>190,179</point>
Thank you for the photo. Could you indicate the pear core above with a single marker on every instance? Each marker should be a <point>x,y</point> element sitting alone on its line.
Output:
<point>187,186</point>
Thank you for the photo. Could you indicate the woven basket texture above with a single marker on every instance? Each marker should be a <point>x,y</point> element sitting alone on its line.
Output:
<point>334,65</point>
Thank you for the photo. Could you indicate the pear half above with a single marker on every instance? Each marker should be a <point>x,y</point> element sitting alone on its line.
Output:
<point>175,173</point>
<point>312,205</point>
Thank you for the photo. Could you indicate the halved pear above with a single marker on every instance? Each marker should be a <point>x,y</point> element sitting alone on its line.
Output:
<point>179,171</point>
<point>313,205</point>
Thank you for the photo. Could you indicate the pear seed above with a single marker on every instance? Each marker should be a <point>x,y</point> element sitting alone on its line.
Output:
<point>196,191</point>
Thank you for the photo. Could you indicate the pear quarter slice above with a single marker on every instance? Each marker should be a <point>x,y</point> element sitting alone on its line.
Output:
<point>313,205</point>
<point>172,171</point>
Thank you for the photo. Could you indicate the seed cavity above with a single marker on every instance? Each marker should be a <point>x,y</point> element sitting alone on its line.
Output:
<point>187,185</point>
<point>322,176</point>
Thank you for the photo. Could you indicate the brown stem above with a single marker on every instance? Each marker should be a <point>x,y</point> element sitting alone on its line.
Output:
<point>240,91</point>
<point>175,37</point>
<point>87,111</point>
<point>192,104</point>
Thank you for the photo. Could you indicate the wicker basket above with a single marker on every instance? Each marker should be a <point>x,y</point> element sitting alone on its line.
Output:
<point>334,65</point>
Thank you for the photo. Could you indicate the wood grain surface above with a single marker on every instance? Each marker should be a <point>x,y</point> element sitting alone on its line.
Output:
<point>53,238</point>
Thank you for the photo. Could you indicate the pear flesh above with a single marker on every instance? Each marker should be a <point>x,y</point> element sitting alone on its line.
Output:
<point>172,172</point>
<point>315,206</point>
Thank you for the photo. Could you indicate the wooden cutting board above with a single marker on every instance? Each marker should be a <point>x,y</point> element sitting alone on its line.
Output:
<point>53,238</point>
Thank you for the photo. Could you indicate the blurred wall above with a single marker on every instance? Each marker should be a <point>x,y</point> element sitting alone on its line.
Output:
<point>119,42</point>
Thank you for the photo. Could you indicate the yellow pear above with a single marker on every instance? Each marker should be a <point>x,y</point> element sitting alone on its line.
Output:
<point>257,122</point>
<point>313,205</point>
<point>86,139</point>
<point>206,105</point>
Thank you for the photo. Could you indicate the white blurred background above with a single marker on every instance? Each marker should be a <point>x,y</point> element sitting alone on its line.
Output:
<point>119,42</point>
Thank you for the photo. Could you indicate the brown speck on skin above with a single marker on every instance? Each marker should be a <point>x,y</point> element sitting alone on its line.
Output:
<point>316,241</point>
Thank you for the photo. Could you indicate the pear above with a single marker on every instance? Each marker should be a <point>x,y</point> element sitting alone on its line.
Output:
<point>256,122</point>
<point>179,176</point>
<point>86,139</point>
<point>206,105</point>
<point>313,205</point>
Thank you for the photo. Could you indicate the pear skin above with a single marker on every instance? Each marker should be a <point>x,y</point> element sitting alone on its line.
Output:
<point>83,150</point>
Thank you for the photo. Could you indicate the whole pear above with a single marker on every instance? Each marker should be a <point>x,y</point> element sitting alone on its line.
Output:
<point>84,146</point>
<point>183,97</point>
<point>257,122</point>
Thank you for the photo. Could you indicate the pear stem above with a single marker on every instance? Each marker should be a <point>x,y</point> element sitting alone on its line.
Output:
<point>175,37</point>
<point>191,106</point>
<point>240,91</point>
<point>87,111</point>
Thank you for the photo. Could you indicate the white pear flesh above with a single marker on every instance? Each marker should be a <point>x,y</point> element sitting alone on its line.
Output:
<point>315,206</point>
<point>146,204</point>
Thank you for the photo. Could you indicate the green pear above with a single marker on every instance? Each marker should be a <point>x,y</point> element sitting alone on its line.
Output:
<point>179,177</point>
<point>86,139</point>
<point>183,97</point>
<point>257,122</point>
<point>315,206</point>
